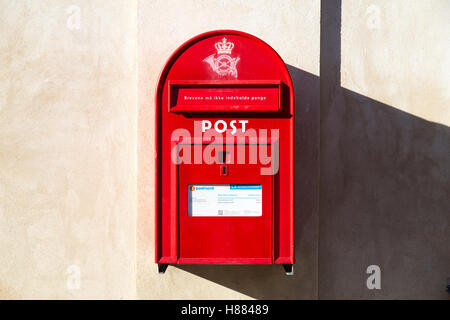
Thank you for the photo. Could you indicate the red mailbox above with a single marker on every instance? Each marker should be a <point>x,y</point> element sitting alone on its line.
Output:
<point>225,154</point>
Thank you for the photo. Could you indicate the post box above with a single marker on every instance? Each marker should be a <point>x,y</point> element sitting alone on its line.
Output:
<point>224,154</point>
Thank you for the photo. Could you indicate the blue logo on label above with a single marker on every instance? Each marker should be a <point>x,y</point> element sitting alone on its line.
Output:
<point>245,187</point>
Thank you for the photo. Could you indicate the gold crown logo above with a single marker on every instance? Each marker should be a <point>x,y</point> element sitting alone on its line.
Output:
<point>224,46</point>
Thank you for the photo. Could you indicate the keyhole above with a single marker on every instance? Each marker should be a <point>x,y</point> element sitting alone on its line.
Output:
<point>223,155</point>
<point>224,170</point>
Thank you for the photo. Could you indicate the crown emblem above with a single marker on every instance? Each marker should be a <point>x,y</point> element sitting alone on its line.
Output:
<point>224,47</point>
<point>223,64</point>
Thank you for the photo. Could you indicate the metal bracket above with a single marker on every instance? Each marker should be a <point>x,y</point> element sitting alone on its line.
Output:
<point>162,267</point>
<point>289,269</point>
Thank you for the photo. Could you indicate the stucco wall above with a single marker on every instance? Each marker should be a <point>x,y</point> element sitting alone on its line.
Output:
<point>76,146</point>
<point>67,149</point>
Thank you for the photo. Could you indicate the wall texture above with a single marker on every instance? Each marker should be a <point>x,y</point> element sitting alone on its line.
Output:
<point>77,83</point>
<point>67,149</point>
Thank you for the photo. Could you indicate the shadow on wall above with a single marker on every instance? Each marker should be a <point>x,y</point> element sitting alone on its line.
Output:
<point>384,190</point>
<point>384,195</point>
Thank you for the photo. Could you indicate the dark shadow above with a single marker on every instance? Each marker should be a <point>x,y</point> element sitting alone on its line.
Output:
<point>384,190</point>
<point>384,200</point>
<point>384,195</point>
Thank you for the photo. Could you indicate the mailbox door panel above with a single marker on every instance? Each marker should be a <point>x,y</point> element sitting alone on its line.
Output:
<point>245,236</point>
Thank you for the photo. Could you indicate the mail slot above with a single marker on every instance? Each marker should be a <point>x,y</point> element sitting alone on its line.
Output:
<point>224,154</point>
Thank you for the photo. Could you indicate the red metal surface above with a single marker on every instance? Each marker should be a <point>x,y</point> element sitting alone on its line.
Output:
<point>259,70</point>
<point>216,239</point>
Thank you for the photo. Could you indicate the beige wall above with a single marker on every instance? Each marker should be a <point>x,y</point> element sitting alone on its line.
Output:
<point>67,149</point>
<point>398,53</point>
<point>76,146</point>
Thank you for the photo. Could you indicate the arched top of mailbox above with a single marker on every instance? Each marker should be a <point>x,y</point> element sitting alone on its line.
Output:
<point>225,56</point>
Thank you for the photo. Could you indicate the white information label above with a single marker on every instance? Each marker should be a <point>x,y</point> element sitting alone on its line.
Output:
<point>225,200</point>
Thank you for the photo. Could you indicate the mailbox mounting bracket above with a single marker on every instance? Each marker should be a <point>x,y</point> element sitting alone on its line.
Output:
<point>289,269</point>
<point>162,267</point>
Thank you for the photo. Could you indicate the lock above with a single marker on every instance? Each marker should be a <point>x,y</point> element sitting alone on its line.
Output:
<point>224,170</point>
